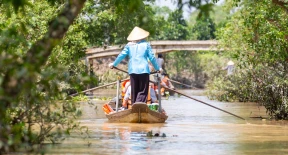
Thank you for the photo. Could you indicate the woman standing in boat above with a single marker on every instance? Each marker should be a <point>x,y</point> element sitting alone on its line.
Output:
<point>139,52</point>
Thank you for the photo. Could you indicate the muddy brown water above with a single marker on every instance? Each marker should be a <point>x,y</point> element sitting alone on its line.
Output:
<point>191,128</point>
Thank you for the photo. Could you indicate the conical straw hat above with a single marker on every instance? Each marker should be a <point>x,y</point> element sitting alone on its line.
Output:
<point>137,34</point>
<point>230,63</point>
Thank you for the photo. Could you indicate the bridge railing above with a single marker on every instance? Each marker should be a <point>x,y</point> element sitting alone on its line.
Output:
<point>157,47</point>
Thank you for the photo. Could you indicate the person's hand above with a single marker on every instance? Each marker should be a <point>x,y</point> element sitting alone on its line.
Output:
<point>158,75</point>
<point>111,65</point>
<point>159,71</point>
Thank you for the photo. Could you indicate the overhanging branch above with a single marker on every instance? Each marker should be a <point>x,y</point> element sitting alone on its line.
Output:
<point>38,54</point>
<point>282,4</point>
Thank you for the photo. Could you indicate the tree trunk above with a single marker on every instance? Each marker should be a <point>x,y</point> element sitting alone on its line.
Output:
<point>35,58</point>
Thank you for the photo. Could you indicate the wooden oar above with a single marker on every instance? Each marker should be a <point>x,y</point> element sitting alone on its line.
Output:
<point>204,102</point>
<point>199,101</point>
<point>127,72</point>
<point>109,84</point>
<point>119,69</point>
<point>182,84</point>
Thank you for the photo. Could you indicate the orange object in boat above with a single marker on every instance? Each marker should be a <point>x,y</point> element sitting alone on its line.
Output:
<point>107,109</point>
<point>123,87</point>
<point>129,106</point>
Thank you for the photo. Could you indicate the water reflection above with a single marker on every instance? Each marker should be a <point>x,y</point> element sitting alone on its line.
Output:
<point>191,128</point>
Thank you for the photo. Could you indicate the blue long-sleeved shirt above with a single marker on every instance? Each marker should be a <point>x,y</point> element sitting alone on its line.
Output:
<point>138,53</point>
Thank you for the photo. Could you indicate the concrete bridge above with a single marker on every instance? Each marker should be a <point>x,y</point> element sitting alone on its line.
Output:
<point>157,47</point>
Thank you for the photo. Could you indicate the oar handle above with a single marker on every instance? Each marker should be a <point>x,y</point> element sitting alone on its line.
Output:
<point>127,72</point>
<point>155,72</point>
<point>96,87</point>
<point>119,69</point>
<point>182,84</point>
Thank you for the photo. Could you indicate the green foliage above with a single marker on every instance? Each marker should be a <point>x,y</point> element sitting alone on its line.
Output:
<point>34,105</point>
<point>199,66</point>
<point>80,98</point>
<point>204,7</point>
<point>257,37</point>
<point>41,77</point>
<point>231,88</point>
<point>262,85</point>
<point>272,89</point>
<point>204,29</point>
<point>111,21</point>
<point>257,33</point>
<point>174,28</point>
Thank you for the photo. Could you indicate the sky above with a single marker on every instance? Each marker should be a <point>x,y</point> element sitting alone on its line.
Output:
<point>168,3</point>
<point>172,5</point>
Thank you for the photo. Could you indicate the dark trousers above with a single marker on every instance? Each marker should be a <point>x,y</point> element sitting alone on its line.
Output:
<point>139,87</point>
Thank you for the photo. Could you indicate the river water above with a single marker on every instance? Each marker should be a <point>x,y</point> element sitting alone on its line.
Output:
<point>191,128</point>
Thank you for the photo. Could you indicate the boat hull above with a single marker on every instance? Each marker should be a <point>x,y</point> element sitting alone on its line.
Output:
<point>139,113</point>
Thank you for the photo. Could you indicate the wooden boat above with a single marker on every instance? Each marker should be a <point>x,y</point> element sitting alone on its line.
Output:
<point>139,113</point>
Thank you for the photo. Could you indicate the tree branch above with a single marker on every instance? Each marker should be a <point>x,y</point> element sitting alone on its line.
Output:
<point>282,4</point>
<point>276,24</point>
<point>38,54</point>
